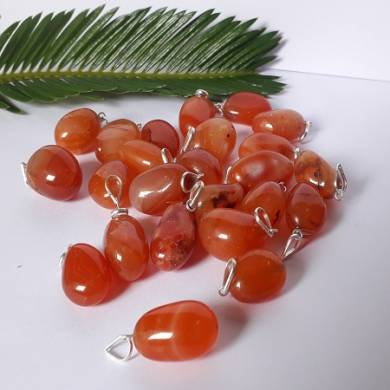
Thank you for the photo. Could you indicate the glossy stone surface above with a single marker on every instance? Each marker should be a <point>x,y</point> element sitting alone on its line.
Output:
<point>126,247</point>
<point>242,107</point>
<point>154,190</point>
<point>260,275</point>
<point>97,189</point>
<point>312,169</point>
<point>217,136</point>
<point>174,238</point>
<point>202,161</point>
<point>194,111</point>
<point>226,233</point>
<point>285,123</point>
<point>162,134</point>
<point>260,167</point>
<point>139,156</point>
<point>264,141</point>
<point>178,331</point>
<point>215,196</point>
<point>77,131</point>
<point>306,209</point>
<point>267,195</point>
<point>85,276</point>
<point>113,136</point>
<point>54,172</point>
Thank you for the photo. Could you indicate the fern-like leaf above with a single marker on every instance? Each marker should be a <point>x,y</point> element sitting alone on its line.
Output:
<point>167,52</point>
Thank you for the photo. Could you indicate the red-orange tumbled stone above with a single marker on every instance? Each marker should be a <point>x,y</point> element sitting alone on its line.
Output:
<point>269,196</point>
<point>178,331</point>
<point>154,190</point>
<point>305,209</point>
<point>126,248</point>
<point>85,276</point>
<point>54,172</point>
<point>259,275</point>
<point>285,123</point>
<point>260,167</point>
<point>312,169</point>
<point>162,134</point>
<point>139,156</point>
<point>264,141</point>
<point>227,233</point>
<point>215,196</point>
<point>97,189</point>
<point>201,161</point>
<point>241,107</point>
<point>217,136</point>
<point>174,238</point>
<point>77,131</point>
<point>194,111</point>
<point>113,136</point>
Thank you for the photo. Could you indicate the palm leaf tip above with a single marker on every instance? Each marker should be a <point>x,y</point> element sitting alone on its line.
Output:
<point>46,58</point>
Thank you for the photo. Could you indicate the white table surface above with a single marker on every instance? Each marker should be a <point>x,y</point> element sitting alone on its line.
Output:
<point>328,330</point>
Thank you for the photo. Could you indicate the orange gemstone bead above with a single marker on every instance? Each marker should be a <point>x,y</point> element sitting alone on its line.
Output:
<point>259,275</point>
<point>242,107</point>
<point>194,111</point>
<point>139,156</point>
<point>174,238</point>
<point>54,172</point>
<point>226,233</point>
<point>77,131</point>
<point>306,209</point>
<point>312,169</point>
<point>264,141</point>
<point>97,188</point>
<point>285,123</point>
<point>217,136</point>
<point>178,331</point>
<point>267,195</point>
<point>201,161</point>
<point>86,276</point>
<point>154,190</point>
<point>260,167</point>
<point>126,247</point>
<point>218,196</point>
<point>162,134</point>
<point>113,136</point>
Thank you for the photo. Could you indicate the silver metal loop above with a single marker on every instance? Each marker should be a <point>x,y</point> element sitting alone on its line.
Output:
<point>23,167</point>
<point>228,169</point>
<point>196,190</point>
<point>166,156</point>
<point>103,119</point>
<point>308,125</point>
<point>219,108</point>
<point>139,126</point>
<point>262,219</point>
<point>230,271</point>
<point>189,176</point>
<point>297,152</point>
<point>341,182</point>
<point>188,139</point>
<point>283,186</point>
<point>118,212</point>
<point>115,198</point>
<point>201,93</point>
<point>293,243</point>
<point>119,341</point>
<point>62,260</point>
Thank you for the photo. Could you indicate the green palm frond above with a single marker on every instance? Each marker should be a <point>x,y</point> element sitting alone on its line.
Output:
<point>167,52</point>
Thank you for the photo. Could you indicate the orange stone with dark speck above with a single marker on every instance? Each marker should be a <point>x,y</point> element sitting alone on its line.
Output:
<point>178,331</point>
<point>259,275</point>
<point>227,233</point>
<point>285,123</point>
<point>242,107</point>
<point>54,172</point>
<point>126,247</point>
<point>174,238</point>
<point>77,131</point>
<point>153,191</point>
<point>85,276</point>
<point>306,209</point>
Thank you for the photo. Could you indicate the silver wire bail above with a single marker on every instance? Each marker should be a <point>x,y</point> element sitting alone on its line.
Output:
<point>166,156</point>
<point>191,177</point>
<point>303,137</point>
<point>293,243</point>
<point>111,349</point>
<point>219,108</point>
<point>103,119</point>
<point>228,276</point>
<point>201,93</point>
<point>196,190</point>
<point>283,186</point>
<point>115,198</point>
<point>341,182</point>
<point>23,167</point>
<point>297,152</point>
<point>188,139</point>
<point>262,219</point>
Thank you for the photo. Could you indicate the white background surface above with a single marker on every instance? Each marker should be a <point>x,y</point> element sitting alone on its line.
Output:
<point>328,330</point>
